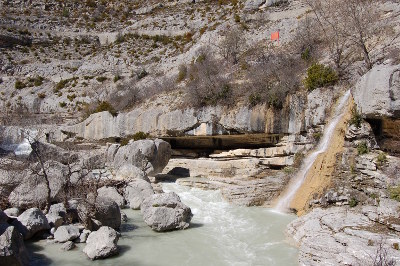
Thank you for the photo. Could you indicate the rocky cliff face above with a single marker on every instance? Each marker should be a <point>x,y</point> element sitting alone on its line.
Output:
<point>160,118</point>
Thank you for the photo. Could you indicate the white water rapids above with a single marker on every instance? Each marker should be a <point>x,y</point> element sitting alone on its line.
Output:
<point>220,234</point>
<point>295,184</point>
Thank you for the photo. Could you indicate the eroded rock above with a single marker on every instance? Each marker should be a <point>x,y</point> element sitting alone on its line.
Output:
<point>102,243</point>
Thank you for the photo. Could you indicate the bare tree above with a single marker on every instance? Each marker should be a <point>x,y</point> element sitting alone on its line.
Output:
<point>232,45</point>
<point>347,25</point>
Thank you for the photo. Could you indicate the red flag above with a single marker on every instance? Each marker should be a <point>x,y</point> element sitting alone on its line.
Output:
<point>275,36</point>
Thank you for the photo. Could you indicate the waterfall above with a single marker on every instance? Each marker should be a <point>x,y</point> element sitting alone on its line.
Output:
<point>295,184</point>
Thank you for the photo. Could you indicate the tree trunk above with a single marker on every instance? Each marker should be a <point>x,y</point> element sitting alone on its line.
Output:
<point>367,60</point>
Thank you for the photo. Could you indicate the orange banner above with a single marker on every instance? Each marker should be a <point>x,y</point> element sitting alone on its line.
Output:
<point>275,36</point>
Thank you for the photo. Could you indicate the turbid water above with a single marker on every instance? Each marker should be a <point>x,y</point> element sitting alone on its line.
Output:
<point>220,234</point>
<point>285,200</point>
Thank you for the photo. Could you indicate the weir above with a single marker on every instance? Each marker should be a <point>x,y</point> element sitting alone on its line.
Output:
<point>295,184</point>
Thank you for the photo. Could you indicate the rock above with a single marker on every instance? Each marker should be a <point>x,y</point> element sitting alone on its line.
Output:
<point>253,4</point>
<point>12,247</point>
<point>58,209</point>
<point>130,172</point>
<point>363,132</point>
<point>102,243</point>
<point>124,218</point>
<point>31,222</point>
<point>66,233</point>
<point>54,220</point>
<point>83,236</point>
<point>112,194</point>
<point>69,245</point>
<point>136,192</point>
<point>32,190</point>
<point>107,213</point>
<point>12,212</point>
<point>339,236</point>
<point>165,212</point>
<point>383,82</point>
<point>52,230</point>
<point>150,155</point>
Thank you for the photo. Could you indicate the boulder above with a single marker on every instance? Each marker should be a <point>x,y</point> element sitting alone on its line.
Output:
<point>12,212</point>
<point>102,243</point>
<point>165,212</point>
<point>31,222</point>
<point>150,155</point>
<point>107,213</point>
<point>83,236</point>
<point>377,93</point>
<point>66,233</point>
<point>112,194</point>
<point>69,245</point>
<point>32,190</point>
<point>54,220</point>
<point>130,172</point>
<point>253,4</point>
<point>12,247</point>
<point>136,192</point>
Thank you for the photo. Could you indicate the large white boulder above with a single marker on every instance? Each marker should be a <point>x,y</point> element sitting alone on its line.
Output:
<point>102,243</point>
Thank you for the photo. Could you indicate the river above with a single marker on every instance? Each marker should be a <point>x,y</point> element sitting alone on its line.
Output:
<point>220,234</point>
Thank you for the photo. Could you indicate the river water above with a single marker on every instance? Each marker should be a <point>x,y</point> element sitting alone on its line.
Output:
<point>220,234</point>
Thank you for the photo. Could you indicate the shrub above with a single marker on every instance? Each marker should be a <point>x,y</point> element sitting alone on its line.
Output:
<point>38,81</point>
<point>42,95</point>
<point>318,76</point>
<point>105,106</point>
<point>182,73</point>
<point>317,136</point>
<point>394,193</point>
<point>62,104</point>
<point>117,77</point>
<point>61,85</point>
<point>353,202</point>
<point>381,159</point>
<point>356,118</point>
<point>137,136</point>
<point>19,85</point>
<point>142,73</point>
<point>362,148</point>
<point>71,97</point>
<point>101,79</point>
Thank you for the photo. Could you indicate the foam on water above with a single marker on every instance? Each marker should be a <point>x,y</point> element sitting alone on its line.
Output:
<point>295,184</point>
<point>220,234</point>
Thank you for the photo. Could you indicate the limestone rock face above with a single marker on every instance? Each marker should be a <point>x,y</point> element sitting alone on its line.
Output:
<point>12,212</point>
<point>136,192</point>
<point>30,222</point>
<point>130,172</point>
<point>66,233</point>
<point>32,190</point>
<point>102,243</point>
<point>112,194</point>
<point>377,94</point>
<point>254,4</point>
<point>150,155</point>
<point>166,212</point>
<point>340,236</point>
<point>12,247</point>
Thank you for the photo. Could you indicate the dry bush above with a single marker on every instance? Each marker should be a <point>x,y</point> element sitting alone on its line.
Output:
<point>207,83</point>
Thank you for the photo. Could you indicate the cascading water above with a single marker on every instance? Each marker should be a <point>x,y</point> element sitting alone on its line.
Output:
<point>285,200</point>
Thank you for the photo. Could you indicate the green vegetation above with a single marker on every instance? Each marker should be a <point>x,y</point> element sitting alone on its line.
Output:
<point>362,148</point>
<point>317,136</point>
<point>61,85</point>
<point>394,193</point>
<point>105,106</point>
<point>353,202</point>
<point>19,85</point>
<point>117,77</point>
<point>62,104</point>
<point>142,73</point>
<point>319,76</point>
<point>182,73</point>
<point>381,159</point>
<point>101,79</point>
<point>356,118</point>
<point>137,136</point>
